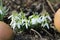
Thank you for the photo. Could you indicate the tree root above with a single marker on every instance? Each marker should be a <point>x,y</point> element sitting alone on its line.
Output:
<point>37,33</point>
<point>50,6</point>
<point>47,32</point>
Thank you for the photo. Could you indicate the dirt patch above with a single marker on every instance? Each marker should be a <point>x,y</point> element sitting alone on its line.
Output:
<point>29,6</point>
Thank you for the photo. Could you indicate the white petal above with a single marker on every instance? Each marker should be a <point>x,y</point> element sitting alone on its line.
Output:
<point>46,24</point>
<point>14,25</point>
<point>49,18</point>
<point>33,21</point>
<point>18,25</point>
<point>26,26</point>
<point>10,16</point>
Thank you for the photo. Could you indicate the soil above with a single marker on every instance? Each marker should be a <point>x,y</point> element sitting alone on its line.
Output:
<point>35,36</point>
<point>29,6</point>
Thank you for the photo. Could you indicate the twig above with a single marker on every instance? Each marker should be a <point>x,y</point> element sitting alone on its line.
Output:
<point>50,6</point>
<point>36,33</point>
<point>47,32</point>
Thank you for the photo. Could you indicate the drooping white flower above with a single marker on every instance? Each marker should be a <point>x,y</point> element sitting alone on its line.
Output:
<point>13,25</point>
<point>45,25</point>
<point>18,25</point>
<point>26,25</point>
<point>49,18</point>
<point>39,20</point>
<point>1,12</point>
<point>43,18</point>
<point>23,20</point>
<point>34,21</point>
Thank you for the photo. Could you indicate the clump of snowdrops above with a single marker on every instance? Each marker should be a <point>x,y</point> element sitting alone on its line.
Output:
<point>20,21</point>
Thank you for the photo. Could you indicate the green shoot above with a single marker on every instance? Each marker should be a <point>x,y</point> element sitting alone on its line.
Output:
<point>2,11</point>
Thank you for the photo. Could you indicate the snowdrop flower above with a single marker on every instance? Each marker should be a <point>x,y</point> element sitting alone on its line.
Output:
<point>23,20</point>
<point>39,20</point>
<point>34,21</point>
<point>26,25</point>
<point>49,18</point>
<point>12,18</point>
<point>43,18</point>
<point>1,12</point>
<point>28,22</point>
<point>17,17</point>
<point>46,24</point>
<point>13,25</point>
<point>18,25</point>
